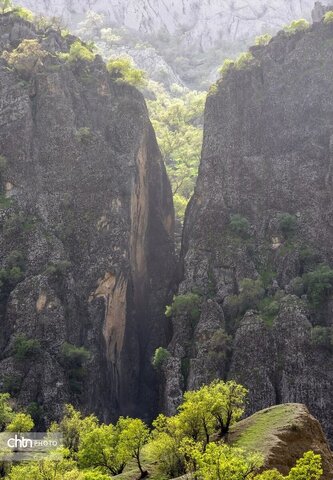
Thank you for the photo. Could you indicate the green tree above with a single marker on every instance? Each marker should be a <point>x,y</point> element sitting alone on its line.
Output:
<point>187,304</point>
<point>26,56</point>
<point>21,422</point>
<point>6,411</point>
<point>221,462</point>
<point>101,448</point>
<point>165,445</point>
<point>328,17</point>
<point>73,426</point>
<point>133,436</point>
<point>297,26</point>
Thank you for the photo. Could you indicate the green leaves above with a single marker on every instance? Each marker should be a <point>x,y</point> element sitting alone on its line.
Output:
<point>123,71</point>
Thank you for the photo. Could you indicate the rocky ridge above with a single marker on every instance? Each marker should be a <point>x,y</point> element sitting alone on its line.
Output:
<point>259,222</point>
<point>86,232</point>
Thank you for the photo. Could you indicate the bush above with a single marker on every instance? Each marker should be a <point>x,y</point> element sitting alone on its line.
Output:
<point>122,71</point>
<point>188,304</point>
<point>269,309</point>
<point>9,278</point>
<point>228,64</point>
<point>239,225</point>
<point>297,26</point>
<point>84,135</point>
<point>74,359</point>
<point>328,17</point>
<point>287,223</point>
<point>244,60</point>
<point>251,292</point>
<point>78,51</point>
<point>263,39</point>
<point>160,356</point>
<point>321,336</point>
<point>319,284</point>
<point>25,348</point>
<point>59,268</point>
<point>25,57</point>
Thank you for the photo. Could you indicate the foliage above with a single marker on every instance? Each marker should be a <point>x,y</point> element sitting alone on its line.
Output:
<point>321,336</point>
<point>25,348</point>
<point>228,64</point>
<point>3,163</point>
<point>9,278</point>
<point>21,422</point>
<point>134,434</point>
<point>73,427</point>
<point>297,26</point>
<point>84,135</point>
<point>160,356</point>
<point>251,292</point>
<point>6,411</point>
<point>101,448</point>
<point>307,468</point>
<point>244,60</point>
<point>59,268</point>
<point>328,17</point>
<point>78,52</point>
<point>123,71</point>
<point>287,224</point>
<point>220,461</point>
<point>263,39</point>
<point>219,403</point>
<point>74,360</point>
<point>177,119</point>
<point>188,304</point>
<point>269,309</point>
<point>239,225</point>
<point>319,284</point>
<point>25,57</point>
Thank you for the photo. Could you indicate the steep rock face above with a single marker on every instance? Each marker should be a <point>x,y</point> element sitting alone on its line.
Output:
<point>267,160</point>
<point>87,224</point>
<point>203,23</point>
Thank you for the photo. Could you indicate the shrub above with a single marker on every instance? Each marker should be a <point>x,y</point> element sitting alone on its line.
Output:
<point>25,348</point>
<point>269,309</point>
<point>297,26</point>
<point>78,51</point>
<point>321,336</point>
<point>16,259</point>
<point>319,284</point>
<point>74,360</point>
<point>244,60</point>
<point>187,304</point>
<point>228,64</point>
<point>11,383</point>
<point>9,278</point>
<point>84,135</point>
<point>328,17</point>
<point>239,225</point>
<point>25,57</point>
<point>59,268</point>
<point>287,223</point>
<point>122,71</point>
<point>160,356</point>
<point>251,292</point>
<point>263,39</point>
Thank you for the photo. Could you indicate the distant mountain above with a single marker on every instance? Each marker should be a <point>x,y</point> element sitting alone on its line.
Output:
<point>204,23</point>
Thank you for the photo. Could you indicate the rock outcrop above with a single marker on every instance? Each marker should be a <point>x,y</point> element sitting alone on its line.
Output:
<point>283,434</point>
<point>260,221</point>
<point>86,232</point>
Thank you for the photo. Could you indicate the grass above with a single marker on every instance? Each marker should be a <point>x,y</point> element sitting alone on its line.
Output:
<point>258,431</point>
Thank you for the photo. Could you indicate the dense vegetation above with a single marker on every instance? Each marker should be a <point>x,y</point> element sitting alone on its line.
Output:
<point>193,442</point>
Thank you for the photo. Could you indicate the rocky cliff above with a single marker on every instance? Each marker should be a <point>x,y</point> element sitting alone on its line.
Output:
<point>86,226</point>
<point>257,243</point>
